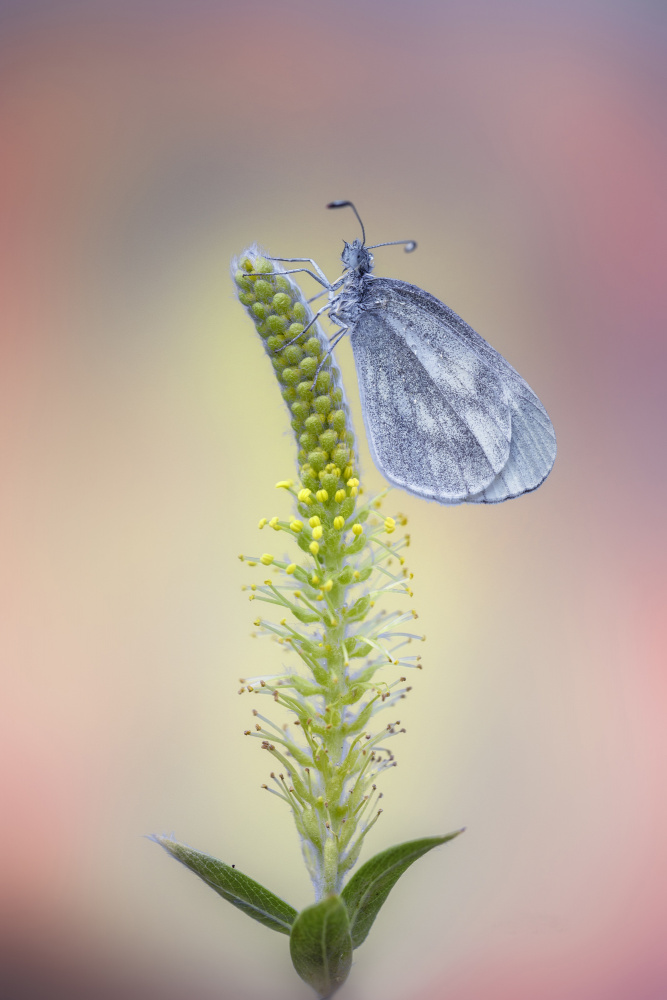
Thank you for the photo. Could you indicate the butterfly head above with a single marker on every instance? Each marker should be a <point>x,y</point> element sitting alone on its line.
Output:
<point>357,258</point>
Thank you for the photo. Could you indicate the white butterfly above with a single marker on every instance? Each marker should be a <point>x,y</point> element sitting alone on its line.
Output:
<point>447,417</point>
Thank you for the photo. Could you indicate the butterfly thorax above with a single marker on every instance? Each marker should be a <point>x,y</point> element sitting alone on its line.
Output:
<point>358,263</point>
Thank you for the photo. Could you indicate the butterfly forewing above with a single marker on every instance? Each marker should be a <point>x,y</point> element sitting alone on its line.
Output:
<point>447,417</point>
<point>417,438</point>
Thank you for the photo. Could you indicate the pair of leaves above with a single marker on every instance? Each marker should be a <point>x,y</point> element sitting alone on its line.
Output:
<point>322,936</point>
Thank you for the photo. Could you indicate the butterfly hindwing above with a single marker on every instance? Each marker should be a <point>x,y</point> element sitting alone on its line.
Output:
<point>532,452</point>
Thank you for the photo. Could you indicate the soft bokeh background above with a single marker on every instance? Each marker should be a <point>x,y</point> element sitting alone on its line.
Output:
<point>523,145</point>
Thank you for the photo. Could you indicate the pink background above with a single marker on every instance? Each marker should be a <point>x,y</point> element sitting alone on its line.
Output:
<point>523,145</point>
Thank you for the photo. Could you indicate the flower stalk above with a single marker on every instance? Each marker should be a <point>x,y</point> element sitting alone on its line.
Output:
<point>333,559</point>
<point>328,754</point>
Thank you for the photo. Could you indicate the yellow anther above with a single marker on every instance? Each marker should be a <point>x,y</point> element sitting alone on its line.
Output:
<point>283,621</point>
<point>357,529</point>
<point>322,496</point>
<point>314,548</point>
<point>389,525</point>
<point>347,472</point>
<point>252,597</point>
<point>285,484</point>
<point>353,482</point>
<point>297,594</point>
<point>266,559</point>
<point>356,574</point>
<point>290,569</point>
<point>268,583</point>
<point>273,523</point>
<point>296,525</point>
<point>314,579</point>
<point>303,496</point>
<point>318,532</point>
<point>242,558</point>
<point>353,491</point>
<point>314,521</point>
<point>261,524</point>
<point>339,523</point>
<point>251,562</point>
<point>339,496</point>
<point>257,622</point>
<point>328,585</point>
<point>319,596</point>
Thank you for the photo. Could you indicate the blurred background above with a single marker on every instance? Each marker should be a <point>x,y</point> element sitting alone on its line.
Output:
<point>523,145</point>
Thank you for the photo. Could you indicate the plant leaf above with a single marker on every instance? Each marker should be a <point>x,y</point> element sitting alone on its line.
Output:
<point>234,886</point>
<point>367,890</point>
<point>321,946</point>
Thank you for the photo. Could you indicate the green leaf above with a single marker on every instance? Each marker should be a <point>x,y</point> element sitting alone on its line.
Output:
<point>234,886</point>
<point>321,946</point>
<point>367,890</point>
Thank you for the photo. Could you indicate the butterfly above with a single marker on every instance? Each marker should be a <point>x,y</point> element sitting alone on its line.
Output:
<point>446,416</point>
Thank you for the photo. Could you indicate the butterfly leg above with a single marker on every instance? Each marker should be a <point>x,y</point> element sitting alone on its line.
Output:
<point>323,280</point>
<point>337,337</point>
<point>313,320</point>
<point>293,270</point>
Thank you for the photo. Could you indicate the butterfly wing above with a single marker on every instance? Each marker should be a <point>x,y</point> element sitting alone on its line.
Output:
<point>532,451</point>
<point>447,417</point>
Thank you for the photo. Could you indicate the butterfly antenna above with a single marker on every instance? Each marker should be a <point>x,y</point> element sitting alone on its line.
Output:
<point>409,245</point>
<point>346,204</point>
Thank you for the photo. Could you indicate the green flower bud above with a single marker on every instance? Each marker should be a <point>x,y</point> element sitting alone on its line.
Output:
<point>300,411</point>
<point>276,324</point>
<point>322,404</point>
<point>281,302</point>
<point>340,456</point>
<point>308,366</point>
<point>347,508</point>
<point>315,423</point>
<point>338,420</point>
<point>293,353</point>
<point>329,482</point>
<point>263,290</point>
<point>304,390</point>
<point>317,459</point>
<point>307,440</point>
<point>328,440</point>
